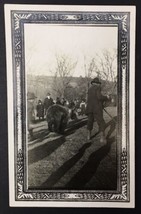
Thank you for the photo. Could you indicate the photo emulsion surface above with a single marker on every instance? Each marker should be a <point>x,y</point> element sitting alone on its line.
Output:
<point>69,85</point>
<point>64,66</point>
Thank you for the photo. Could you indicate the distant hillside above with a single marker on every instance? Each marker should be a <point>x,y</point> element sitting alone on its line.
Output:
<point>76,89</point>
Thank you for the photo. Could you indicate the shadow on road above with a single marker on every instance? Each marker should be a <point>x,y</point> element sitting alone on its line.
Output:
<point>112,123</point>
<point>40,135</point>
<point>43,134</point>
<point>44,150</point>
<point>93,136</point>
<point>75,125</point>
<point>84,175</point>
<point>56,176</point>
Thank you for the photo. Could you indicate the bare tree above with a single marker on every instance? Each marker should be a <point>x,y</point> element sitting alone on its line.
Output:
<point>63,74</point>
<point>106,65</point>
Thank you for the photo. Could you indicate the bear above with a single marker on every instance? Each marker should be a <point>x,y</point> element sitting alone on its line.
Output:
<point>57,118</point>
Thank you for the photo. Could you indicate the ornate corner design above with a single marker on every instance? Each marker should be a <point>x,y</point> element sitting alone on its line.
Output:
<point>122,196</point>
<point>123,19</point>
<point>18,17</point>
<point>22,195</point>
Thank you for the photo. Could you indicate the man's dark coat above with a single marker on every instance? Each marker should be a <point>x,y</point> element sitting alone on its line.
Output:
<point>95,100</point>
<point>48,102</point>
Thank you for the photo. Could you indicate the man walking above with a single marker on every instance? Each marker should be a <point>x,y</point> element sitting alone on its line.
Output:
<point>48,102</point>
<point>94,108</point>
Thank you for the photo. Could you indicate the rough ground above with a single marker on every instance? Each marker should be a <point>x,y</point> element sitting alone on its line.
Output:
<point>70,162</point>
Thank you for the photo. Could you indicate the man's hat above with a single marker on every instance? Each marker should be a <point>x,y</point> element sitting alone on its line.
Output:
<point>95,80</point>
<point>31,96</point>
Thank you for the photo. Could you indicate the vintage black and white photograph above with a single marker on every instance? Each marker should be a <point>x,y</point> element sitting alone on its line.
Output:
<point>70,80</point>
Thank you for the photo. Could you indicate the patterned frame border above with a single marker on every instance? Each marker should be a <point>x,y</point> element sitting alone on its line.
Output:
<point>122,20</point>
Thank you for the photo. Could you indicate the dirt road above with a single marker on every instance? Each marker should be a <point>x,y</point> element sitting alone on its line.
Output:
<point>70,162</point>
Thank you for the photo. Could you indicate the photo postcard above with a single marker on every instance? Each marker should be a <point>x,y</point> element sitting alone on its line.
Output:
<point>71,96</point>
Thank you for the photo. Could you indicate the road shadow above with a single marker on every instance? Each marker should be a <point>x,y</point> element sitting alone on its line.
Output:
<point>47,148</point>
<point>75,125</point>
<point>71,128</point>
<point>112,123</point>
<point>56,176</point>
<point>83,176</point>
<point>44,150</point>
<point>39,136</point>
<point>73,122</point>
<point>93,136</point>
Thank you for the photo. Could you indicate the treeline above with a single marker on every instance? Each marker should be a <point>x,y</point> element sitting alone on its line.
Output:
<point>75,89</point>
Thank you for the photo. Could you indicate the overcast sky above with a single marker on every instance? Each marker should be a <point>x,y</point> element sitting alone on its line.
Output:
<point>43,42</point>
